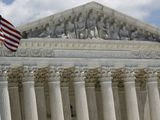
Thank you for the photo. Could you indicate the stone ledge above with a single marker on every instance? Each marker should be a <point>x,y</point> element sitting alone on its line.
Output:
<point>88,44</point>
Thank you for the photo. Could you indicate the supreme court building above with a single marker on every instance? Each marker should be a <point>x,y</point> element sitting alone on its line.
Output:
<point>86,63</point>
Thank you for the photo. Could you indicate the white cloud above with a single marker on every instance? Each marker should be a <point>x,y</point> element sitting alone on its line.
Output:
<point>22,11</point>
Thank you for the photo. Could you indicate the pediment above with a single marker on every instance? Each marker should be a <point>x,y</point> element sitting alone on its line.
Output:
<point>88,21</point>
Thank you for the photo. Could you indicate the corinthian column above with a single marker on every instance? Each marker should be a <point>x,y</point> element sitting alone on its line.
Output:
<point>5,111</point>
<point>91,97</point>
<point>41,75</point>
<point>30,105</point>
<point>107,96</point>
<point>153,95</point>
<point>55,97</point>
<point>131,96</point>
<point>80,96</point>
<point>15,76</point>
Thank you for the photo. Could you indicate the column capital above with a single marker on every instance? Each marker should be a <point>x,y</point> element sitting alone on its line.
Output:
<point>66,75</point>
<point>152,76</point>
<point>79,75</point>
<point>92,76</point>
<point>41,75</point>
<point>118,75</point>
<point>106,75</point>
<point>141,75</point>
<point>3,74</point>
<point>28,74</point>
<point>129,76</point>
<point>15,76</point>
<point>54,75</point>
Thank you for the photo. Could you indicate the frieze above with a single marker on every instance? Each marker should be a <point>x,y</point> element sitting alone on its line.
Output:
<point>47,48</point>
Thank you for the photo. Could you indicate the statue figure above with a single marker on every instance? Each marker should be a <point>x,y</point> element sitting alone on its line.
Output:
<point>80,27</point>
<point>123,32</point>
<point>52,30</point>
<point>91,25</point>
<point>30,33</point>
<point>133,32</point>
<point>114,31</point>
<point>70,28</point>
<point>24,35</point>
<point>59,29</point>
<point>141,35</point>
<point>45,32</point>
<point>148,36</point>
<point>101,27</point>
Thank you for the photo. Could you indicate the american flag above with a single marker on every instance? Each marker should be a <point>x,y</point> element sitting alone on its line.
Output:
<point>9,35</point>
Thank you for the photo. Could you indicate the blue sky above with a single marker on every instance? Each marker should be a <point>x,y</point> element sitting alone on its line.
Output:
<point>22,11</point>
<point>7,1</point>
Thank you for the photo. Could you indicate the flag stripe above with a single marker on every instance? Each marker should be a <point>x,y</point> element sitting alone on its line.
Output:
<point>9,33</point>
<point>10,47</point>
<point>10,44</point>
<point>2,19</point>
<point>11,39</point>
<point>10,28</point>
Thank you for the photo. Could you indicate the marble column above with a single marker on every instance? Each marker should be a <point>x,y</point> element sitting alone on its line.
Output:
<point>40,97</point>
<point>91,98</point>
<point>55,97</point>
<point>30,105</point>
<point>5,110</point>
<point>66,99</point>
<point>116,100</point>
<point>80,96</point>
<point>131,96</point>
<point>153,96</point>
<point>107,96</point>
<point>14,98</point>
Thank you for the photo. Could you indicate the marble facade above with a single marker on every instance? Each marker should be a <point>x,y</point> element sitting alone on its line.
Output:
<point>80,73</point>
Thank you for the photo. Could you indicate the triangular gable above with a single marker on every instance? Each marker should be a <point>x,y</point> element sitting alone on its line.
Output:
<point>91,20</point>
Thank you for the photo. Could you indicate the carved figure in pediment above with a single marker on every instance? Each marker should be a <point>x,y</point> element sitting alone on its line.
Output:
<point>156,37</point>
<point>101,27</point>
<point>30,33</point>
<point>133,32</point>
<point>52,30</point>
<point>123,32</point>
<point>140,35</point>
<point>46,31</point>
<point>59,29</point>
<point>91,25</point>
<point>108,22</point>
<point>148,36</point>
<point>24,35</point>
<point>80,27</point>
<point>114,30</point>
<point>70,28</point>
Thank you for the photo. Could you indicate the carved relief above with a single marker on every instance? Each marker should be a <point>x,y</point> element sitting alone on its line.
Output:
<point>102,27</point>
<point>70,28</point>
<point>80,27</point>
<point>91,24</point>
<point>59,29</point>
